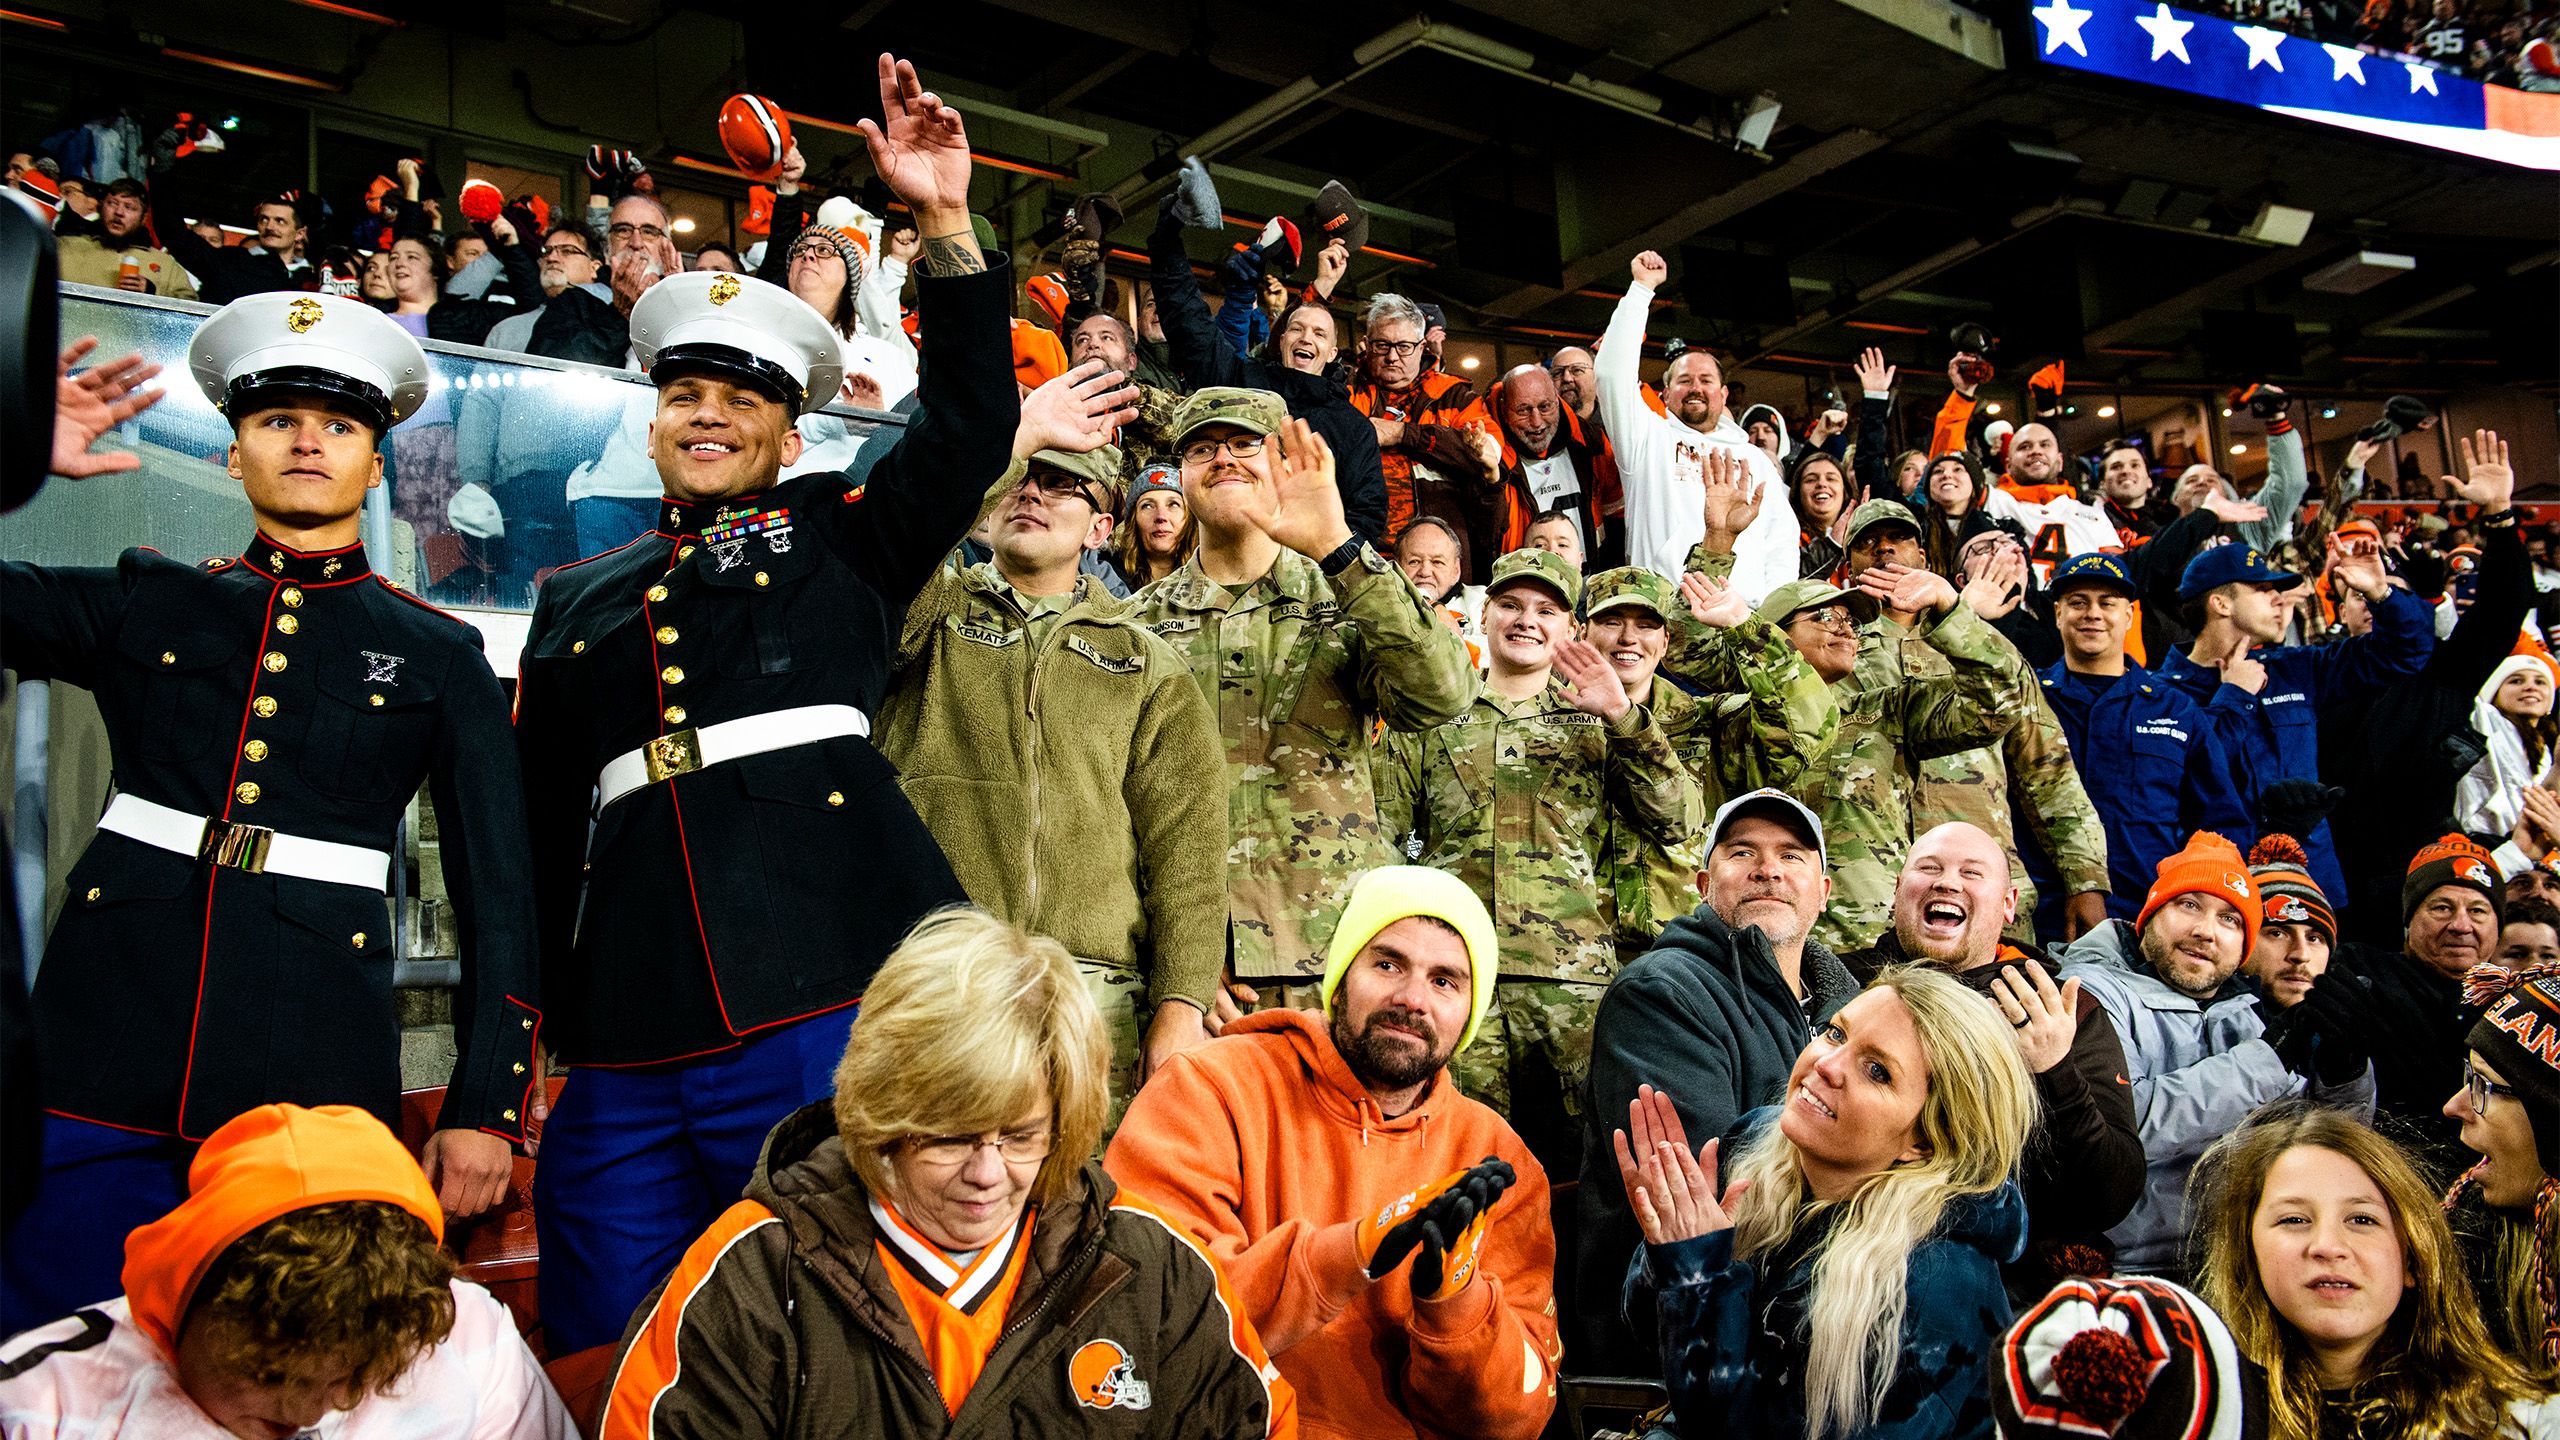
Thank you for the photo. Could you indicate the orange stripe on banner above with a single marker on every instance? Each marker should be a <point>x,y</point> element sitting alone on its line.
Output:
<point>651,1365</point>
<point>2520,112</point>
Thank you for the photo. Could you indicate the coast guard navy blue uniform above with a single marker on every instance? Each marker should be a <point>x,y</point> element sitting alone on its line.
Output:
<point>2278,738</point>
<point>704,694</point>
<point>225,940</point>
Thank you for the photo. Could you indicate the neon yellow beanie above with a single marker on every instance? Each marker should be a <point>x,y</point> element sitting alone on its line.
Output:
<point>1394,892</point>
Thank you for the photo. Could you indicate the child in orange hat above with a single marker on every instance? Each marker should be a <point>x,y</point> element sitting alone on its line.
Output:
<point>302,1276</point>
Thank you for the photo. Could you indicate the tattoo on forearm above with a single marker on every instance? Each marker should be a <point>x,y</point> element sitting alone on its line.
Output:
<point>954,254</point>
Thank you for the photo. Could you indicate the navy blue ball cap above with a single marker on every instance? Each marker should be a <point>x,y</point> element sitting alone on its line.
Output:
<point>2232,564</point>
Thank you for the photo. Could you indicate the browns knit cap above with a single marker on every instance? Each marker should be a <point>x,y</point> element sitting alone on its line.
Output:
<point>2210,865</point>
<point>2286,892</point>
<point>2519,1035</point>
<point>2136,1358</point>
<point>2452,860</point>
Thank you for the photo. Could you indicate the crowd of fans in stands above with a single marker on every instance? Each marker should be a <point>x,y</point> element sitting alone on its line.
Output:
<point>1887,937</point>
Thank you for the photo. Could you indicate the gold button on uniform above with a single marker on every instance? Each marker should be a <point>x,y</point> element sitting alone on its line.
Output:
<point>274,660</point>
<point>519,1067</point>
<point>666,634</point>
<point>246,791</point>
<point>507,1114</point>
<point>93,892</point>
<point>168,657</point>
<point>673,674</point>
<point>657,592</point>
<point>357,939</point>
<point>291,597</point>
<point>675,714</point>
<point>265,705</point>
<point>528,1024</point>
<point>376,701</point>
<point>763,579</point>
<point>835,797</point>
<point>287,624</point>
<point>577,647</point>
<point>685,553</point>
<point>256,750</point>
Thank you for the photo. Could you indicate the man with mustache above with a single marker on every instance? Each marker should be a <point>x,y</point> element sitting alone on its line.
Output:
<point>2202,1049</point>
<point>1305,641</point>
<point>1314,1151</point>
<point>1713,1017</point>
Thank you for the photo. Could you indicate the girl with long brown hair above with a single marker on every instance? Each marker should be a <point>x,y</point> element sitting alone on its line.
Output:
<point>2329,1258</point>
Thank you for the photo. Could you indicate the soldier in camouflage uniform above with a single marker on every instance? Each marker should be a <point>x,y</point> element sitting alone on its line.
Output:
<point>2028,774</point>
<point>1518,796</point>
<point>1760,715</point>
<point>1305,640</point>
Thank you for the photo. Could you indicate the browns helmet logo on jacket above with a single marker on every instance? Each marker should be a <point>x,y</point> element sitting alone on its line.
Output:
<point>1103,1379</point>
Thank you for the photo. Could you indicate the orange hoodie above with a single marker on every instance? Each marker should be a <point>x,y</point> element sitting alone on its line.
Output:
<point>1264,1145</point>
<point>271,1161</point>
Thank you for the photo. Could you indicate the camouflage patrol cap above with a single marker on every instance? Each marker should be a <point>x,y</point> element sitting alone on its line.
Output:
<point>1629,585</point>
<point>1881,512</point>
<point>1259,411</point>
<point>1099,469</point>
<point>1797,595</point>
<point>1545,567</point>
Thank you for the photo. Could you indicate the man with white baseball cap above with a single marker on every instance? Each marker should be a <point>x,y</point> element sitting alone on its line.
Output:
<point>1713,1017</point>
<point>225,940</point>
<point>705,696</point>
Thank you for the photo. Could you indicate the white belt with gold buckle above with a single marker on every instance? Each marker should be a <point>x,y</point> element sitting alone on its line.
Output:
<point>238,846</point>
<point>681,752</point>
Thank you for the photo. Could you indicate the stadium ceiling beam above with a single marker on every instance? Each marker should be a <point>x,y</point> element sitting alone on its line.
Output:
<point>1820,158</point>
<point>2185,304</point>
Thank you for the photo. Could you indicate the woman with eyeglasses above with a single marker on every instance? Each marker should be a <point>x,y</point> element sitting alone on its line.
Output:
<point>2506,1209</point>
<point>2325,1253</point>
<point>937,1241</point>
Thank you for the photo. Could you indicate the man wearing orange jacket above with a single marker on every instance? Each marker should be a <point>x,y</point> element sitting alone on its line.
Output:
<point>1434,438</point>
<point>1388,1235</point>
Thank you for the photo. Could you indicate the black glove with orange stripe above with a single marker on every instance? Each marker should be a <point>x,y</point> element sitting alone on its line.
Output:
<point>1441,1226</point>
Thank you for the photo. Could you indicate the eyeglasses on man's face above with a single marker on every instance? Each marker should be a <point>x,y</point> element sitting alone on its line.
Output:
<point>1833,617</point>
<point>626,231</point>
<point>1201,452</point>
<point>1395,349</point>
<point>564,252</point>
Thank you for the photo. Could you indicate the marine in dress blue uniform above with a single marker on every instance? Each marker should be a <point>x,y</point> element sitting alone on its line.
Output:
<point>695,711</point>
<point>225,941</point>
<point>2154,760</point>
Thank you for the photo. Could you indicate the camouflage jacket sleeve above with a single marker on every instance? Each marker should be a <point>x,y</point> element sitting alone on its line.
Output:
<point>2046,792</point>
<point>1396,771</point>
<point>1695,646</point>
<point>1647,782</point>
<point>1414,671</point>
<point>1971,707</point>
<point>1766,713</point>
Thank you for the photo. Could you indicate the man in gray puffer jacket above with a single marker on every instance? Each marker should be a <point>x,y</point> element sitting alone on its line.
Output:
<point>2199,1048</point>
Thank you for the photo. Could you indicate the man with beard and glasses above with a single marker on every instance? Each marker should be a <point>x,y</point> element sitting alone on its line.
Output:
<point>1313,1153</point>
<point>1714,1017</point>
<point>2084,1162</point>
<point>2202,1048</point>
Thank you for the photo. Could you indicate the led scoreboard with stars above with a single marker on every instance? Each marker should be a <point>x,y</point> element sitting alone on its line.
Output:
<point>2285,74</point>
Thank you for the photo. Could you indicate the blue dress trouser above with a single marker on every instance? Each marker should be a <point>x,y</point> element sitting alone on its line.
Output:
<point>636,1163</point>
<point>100,1184</point>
